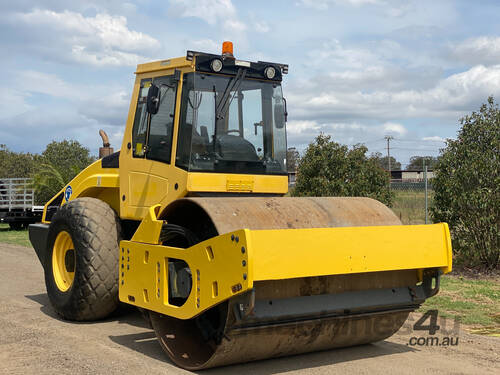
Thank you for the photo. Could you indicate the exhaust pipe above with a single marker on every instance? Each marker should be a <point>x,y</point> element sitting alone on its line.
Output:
<point>105,150</point>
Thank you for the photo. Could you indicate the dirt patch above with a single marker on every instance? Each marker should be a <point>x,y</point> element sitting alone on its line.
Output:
<point>34,340</point>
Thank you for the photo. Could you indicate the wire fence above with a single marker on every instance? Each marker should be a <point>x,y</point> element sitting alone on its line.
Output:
<point>418,185</point>
<point>412,199</point>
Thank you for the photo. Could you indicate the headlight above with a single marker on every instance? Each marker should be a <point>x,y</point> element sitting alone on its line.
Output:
<point>216,65</point>
<point>270,72</point>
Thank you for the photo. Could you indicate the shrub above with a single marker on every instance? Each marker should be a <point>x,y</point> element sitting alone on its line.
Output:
<point>467,188</point>
<point>331,169</point>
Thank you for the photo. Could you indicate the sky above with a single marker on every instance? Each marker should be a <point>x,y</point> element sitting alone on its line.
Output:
<point>359,70</point>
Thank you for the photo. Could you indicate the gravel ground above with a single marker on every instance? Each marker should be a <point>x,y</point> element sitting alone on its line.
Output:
<point>33,340</point>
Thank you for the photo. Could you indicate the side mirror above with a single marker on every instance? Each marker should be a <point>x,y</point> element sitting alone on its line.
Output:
<point>280,114</point>
<point>153,101</point>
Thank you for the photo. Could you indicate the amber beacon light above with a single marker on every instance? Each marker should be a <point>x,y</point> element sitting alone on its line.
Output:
<point>227,49</point>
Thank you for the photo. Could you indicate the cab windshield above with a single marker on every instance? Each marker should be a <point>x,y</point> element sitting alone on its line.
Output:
<point>231,125</point>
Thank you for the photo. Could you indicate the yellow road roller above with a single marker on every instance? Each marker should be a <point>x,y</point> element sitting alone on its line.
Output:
<point>189,222</point>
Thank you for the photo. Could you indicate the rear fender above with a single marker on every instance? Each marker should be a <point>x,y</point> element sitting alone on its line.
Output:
<point>94,181</point>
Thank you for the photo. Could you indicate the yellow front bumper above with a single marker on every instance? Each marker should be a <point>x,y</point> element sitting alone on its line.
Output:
<point>228,265</point>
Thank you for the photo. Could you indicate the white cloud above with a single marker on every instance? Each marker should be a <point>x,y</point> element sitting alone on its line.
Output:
<point>368,67</point>
<point>363,94</point>
<point>99,40</point>
<point>108,106</point>
<point>393,128</point>
<point>48,84</point>
<point>373,78</point>
<point>325,4</point>
<point>361,2</point>
<point>234,25</point>
<point>413,12</point>
<point>212,12</point>
<point>262,27</point>
<point>300,127</point>
<point>461,90</point>
<point>12,102</point>
<point>482,50</point>
<point>434,138</point>
<point>206,45</point>
<point>450,98</point>
<point>80,120</point>
<point>116,138</point>
<point>339,57</point>
<point>301,132</point>
<point>84,56</point>
<point>103,104</point>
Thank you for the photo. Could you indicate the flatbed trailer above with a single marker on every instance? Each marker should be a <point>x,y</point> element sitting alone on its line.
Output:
<point>17,203</point>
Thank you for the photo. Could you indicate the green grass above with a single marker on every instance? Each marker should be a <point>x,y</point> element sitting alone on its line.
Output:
<point>16,237</point>
<point>409,205</point>
<point>476,302</point>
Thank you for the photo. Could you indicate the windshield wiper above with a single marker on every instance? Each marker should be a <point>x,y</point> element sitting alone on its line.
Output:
<point>224,102</point>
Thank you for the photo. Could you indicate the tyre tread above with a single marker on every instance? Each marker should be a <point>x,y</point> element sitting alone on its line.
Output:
<point>96,233</point>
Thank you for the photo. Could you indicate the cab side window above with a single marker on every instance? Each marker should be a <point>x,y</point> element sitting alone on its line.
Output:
<point>162,124</point>
<point>140,121</point>
<point>157,145</point>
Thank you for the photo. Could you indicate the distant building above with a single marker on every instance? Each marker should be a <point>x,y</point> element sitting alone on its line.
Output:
<point>410,175</point>
<point>413,176</point>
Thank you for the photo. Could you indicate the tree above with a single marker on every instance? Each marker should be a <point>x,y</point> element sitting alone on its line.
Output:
<point>417,162</point>
<point>467,188</point>
<point>59,163</point>
<point>383,163</point>
<point>16,164</point>
<point>292,159</point>
<point>331,169</point>
<point>68,157</point>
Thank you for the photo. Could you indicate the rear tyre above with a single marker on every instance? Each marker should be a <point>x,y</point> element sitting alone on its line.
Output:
<point>81,267</point>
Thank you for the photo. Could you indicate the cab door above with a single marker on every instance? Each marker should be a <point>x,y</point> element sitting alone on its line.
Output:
<point>147,158</point>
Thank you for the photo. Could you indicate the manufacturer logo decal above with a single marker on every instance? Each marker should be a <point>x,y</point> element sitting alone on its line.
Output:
<point>68,192</point>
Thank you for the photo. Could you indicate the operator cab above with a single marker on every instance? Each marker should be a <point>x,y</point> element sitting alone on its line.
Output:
<point>231,120</point>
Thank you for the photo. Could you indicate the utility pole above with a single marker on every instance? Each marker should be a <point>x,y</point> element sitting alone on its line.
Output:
<point>426,202</point>
<point>388,138</point>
